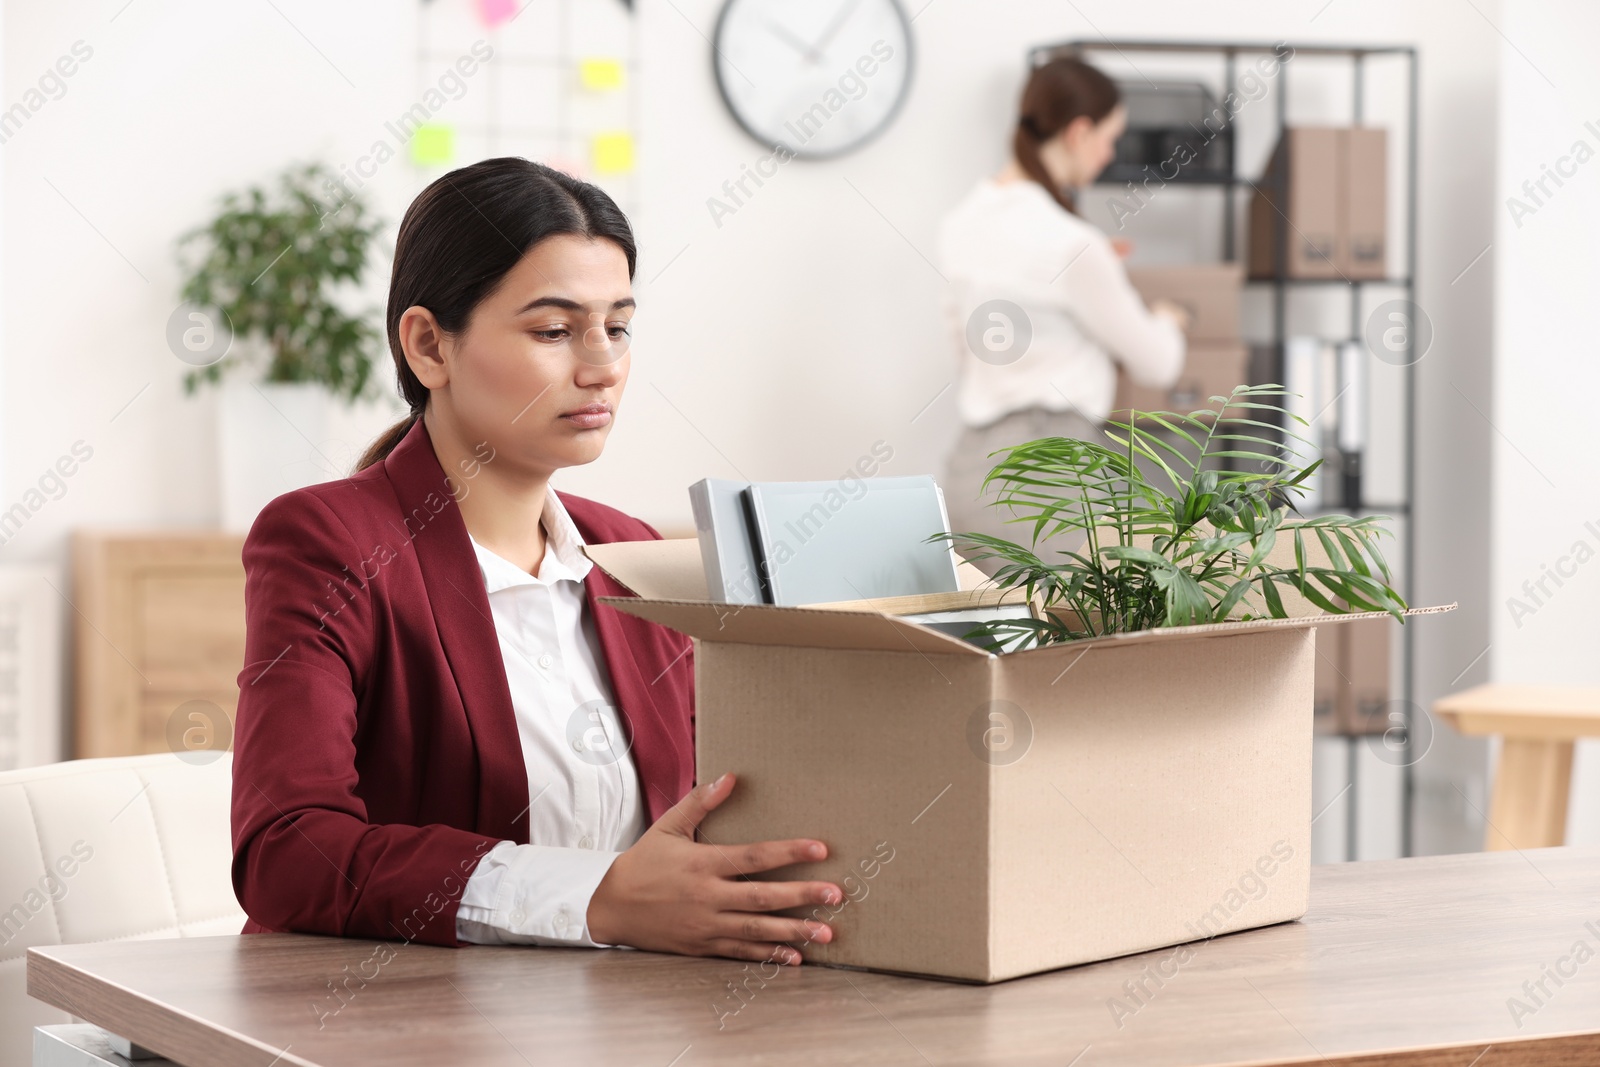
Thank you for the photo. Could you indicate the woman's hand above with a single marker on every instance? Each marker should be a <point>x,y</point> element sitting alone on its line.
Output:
<point>1176,312</point>
<point>669,893</point>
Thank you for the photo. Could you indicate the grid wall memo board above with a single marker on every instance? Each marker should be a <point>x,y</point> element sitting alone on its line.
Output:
<point>561,87</point>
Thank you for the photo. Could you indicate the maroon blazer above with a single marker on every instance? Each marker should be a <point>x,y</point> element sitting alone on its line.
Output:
<point>376,753</point>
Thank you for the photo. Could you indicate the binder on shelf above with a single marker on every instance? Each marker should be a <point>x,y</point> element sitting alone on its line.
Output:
<point>1352,422</point>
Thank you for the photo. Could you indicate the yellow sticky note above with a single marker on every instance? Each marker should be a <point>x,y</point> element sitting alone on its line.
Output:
<point>613,152</point>
<point>434,142</point>
<point>598,74</point>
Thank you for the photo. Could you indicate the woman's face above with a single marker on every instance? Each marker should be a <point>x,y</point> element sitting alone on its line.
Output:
<point>1086,147</point>
<point>539,370</point>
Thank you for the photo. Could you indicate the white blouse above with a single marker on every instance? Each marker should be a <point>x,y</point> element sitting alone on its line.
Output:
<point>1011,241</point>
<point>582,784</point>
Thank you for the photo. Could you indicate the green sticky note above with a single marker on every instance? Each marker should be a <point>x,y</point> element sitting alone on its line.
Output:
<point>434,142</point>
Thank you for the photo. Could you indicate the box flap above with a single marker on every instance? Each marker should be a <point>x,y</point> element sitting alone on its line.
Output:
<point>1228,629</point>
<point>664,570</point>
<point>769,624</point>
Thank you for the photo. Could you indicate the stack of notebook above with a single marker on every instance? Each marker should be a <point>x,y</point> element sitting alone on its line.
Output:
<point>796,543</point>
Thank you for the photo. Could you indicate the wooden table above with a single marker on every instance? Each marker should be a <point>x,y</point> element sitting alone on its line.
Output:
<point>1399,962</point>
<point>1538,724</point>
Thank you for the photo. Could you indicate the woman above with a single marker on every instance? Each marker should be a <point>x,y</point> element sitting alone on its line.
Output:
<point>1038,299</point>
<point>425,743</point>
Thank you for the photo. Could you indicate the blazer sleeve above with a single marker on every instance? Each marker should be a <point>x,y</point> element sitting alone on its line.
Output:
<point>305,856</point>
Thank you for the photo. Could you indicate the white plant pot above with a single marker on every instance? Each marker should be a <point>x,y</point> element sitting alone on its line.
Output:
<point>271,438</point>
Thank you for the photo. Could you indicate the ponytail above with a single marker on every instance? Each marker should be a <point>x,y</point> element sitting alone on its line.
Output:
<point>385,442</point>
<point>1025,144</point>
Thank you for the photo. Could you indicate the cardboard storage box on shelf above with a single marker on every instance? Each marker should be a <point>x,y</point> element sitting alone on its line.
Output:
<point>1211,368</point>
<point>1364,250</point>
<point>994,816</point>
<point>1209,292</point>
<point>1324,196</point>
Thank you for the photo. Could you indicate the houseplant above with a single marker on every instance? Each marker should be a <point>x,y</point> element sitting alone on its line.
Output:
<point>1192,550</point>
<point>279,270</point>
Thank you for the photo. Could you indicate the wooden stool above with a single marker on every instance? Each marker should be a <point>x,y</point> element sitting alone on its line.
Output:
<point>1537,724</point>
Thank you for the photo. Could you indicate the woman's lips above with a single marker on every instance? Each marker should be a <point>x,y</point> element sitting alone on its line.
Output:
<point>588,420</point>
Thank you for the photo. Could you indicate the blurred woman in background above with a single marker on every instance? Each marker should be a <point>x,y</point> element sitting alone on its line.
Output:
<point>1038,300</point>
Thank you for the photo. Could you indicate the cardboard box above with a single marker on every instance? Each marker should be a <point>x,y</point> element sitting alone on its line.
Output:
<point>1364,248</point>
<point>1296,203</point>
<point>1210,368</point>
<point>995,816</point>
<point>1209,292</point>
<point>1324,195</point>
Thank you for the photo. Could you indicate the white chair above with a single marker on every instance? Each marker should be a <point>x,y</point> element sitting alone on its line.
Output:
<point>116,849</point>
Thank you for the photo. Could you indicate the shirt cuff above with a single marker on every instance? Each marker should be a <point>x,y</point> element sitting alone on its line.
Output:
<point>532,895</point>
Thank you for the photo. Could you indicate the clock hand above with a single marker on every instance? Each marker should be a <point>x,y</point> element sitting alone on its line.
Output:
<point>785,35</point>
<point>833,27</point>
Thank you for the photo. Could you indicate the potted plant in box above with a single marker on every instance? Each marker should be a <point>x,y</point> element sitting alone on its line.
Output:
<point>273,275</point>
<point>1196,549</point>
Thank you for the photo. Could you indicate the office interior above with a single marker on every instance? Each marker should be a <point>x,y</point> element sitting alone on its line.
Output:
<point>790,322</point>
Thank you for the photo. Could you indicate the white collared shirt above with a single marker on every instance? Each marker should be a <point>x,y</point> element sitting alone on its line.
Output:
<point>583,788</point>
<point>1009,247</point>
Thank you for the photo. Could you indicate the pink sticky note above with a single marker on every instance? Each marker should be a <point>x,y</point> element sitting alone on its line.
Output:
<point>495,12</point>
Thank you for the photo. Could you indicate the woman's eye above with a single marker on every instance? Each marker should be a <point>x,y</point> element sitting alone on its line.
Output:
<point>554,334</point>
<point>618,332</point>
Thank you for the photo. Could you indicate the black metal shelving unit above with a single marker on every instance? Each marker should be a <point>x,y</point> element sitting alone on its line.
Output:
<point>1230,185</point>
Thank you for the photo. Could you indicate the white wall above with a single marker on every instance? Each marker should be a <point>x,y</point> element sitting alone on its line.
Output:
<point>176,104</point>
<point>1546,493</point>
<point>782,344</point>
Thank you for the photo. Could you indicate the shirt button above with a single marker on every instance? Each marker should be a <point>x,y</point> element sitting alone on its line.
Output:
<point>545,660</point>
<point>586,842</point>
<point>577,745</point>
<point>561,920</point>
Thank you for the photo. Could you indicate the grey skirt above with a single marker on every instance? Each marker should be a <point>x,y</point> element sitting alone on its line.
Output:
<point>970,460</point>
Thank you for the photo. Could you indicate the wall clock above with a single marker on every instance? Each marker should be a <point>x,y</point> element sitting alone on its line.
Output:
<point>816,77</point>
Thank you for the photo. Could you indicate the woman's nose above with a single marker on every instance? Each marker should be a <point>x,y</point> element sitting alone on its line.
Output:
<point>597,348</point>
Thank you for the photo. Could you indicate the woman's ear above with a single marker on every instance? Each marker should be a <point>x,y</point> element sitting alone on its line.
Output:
<point>424,342</point>
<point>1076,132</point>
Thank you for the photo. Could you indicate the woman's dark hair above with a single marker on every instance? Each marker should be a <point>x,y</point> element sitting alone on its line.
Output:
<point>1058,91</point>
<point>464,233</point>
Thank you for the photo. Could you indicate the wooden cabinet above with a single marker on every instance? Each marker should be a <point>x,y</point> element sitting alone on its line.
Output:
<point>159,640</point>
